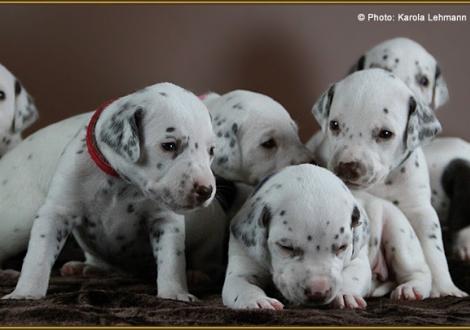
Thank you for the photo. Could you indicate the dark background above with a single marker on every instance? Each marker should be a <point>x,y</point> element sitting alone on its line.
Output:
<point>73,57</point>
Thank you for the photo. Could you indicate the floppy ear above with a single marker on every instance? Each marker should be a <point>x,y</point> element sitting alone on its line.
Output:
<point>121,132</point>
<point>360,228</point>
<point>422,125</point>
<point>321,109</point>
<point>25,110</point>
<point>227,161</point>
<point>359,65</point>
<point>251,227</point>
<point>440,93</point>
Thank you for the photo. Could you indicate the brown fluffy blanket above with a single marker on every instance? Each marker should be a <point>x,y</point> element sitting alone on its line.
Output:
<point>129,301</point>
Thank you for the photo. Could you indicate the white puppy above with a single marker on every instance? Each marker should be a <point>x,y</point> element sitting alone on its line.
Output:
<point>118,185</point>
<point>17,110</point>
<point>255,136</point>
<point>302,230</point>
<point>413,64</point>
<point>372,130</point>
<point>449,168</point>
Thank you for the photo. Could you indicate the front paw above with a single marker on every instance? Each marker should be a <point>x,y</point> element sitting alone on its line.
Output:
<point>19,296</point>
<point>349,301</point>
<point>181,296</point>
<point>447,290</point>
<point>409,291</point>
<point>258,303</point>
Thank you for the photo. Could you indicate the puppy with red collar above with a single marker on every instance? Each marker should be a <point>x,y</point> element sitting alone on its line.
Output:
<point>120,185</point>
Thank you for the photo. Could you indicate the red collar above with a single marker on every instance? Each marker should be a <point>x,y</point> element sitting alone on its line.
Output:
<point>93,150</point>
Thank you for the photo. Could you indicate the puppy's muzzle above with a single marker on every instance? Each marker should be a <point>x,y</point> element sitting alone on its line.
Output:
<point>202,193</point>
<point>318,290</point>
<point>350,171</point>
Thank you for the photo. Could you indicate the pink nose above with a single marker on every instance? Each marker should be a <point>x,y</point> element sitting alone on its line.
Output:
<point>318,288</point>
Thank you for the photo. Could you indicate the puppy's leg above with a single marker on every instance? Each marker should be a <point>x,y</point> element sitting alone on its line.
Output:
<point>405,256</point>
<point>461,246</point>
<point>241,287</point>
<point>48,235</point>
<point>357,277</point>
<point>167,238</point>
<point>425,222</point>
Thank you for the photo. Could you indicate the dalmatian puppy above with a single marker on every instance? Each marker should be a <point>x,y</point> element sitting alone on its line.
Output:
<point>413,64</point>
<point>255,136</point>
<point>303,231</point>
<point>449,168</point>
<point>373,127</point>
<point>121,186</point>
<point>17,110</point>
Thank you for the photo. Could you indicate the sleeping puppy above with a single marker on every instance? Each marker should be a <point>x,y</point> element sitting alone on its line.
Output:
<point>413,64</point>
<point>449,168</point>
<point>17,110</point>
<point>373,128</point>
<point>120,185</point>
<point>302,230</point>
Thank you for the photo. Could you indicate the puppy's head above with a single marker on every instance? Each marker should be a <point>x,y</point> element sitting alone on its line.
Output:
<point>255,136</point>
<point>303,225</point>
<point>410,62</point>
<point>372,122</point>
<point>161,139</point>
<point>17,109</point>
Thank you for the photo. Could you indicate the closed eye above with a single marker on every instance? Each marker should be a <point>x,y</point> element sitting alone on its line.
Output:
<point>290,250</point>
<point>341,249</point>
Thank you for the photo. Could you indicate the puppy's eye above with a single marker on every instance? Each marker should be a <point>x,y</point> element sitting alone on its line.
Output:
<point>424,81</point>
<point>341,249</point>
<point>269,144</point>
<point>385,134</point>
<point>2,95</point>
<point>289,249</point>
<point>211,151</point>
<point>169,146</point>
<point>334,126</point>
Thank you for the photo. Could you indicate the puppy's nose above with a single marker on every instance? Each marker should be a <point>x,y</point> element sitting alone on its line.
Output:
<point>203,193</point>
<point>318,289</point>
<point>349,171</point>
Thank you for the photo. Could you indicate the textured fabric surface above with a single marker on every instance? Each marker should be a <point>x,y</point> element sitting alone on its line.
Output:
<point>118,300</point>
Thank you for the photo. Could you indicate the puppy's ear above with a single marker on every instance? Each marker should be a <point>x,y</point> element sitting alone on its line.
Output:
<point>359,65</point>
<point>422,125</point>
<point>228,159</point>
<point>122,131</point>
<point>209,98</point>
<point>321,109</point>
<point>440,93</point>
<point>360,229</point>
<point>26,112</point>
<point>251,227</point>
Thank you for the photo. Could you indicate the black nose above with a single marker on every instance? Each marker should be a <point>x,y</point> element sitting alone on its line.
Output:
<point>349,171</point>
<point>203,193</point>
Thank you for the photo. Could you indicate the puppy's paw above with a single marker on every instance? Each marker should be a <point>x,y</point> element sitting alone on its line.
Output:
<point>462,245</point>
<point>19,296</point>
<point>183,296</point>
<point>80,268</point>
<point>408,291</point>
<point>258,303</point>
<point>448,290</point>
<point>349,301</point>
